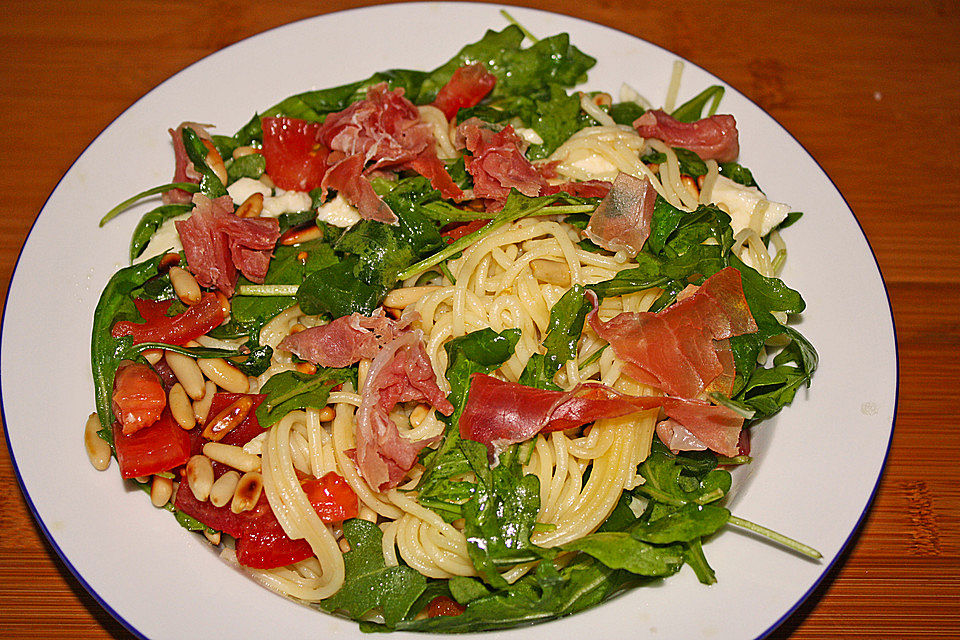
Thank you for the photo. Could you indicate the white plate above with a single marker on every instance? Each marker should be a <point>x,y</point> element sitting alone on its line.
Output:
<point>818,462</point>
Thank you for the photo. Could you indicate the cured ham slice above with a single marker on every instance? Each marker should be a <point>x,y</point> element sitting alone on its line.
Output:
<point>383,131</point>
<point>621,221</point>
<point>585,189</point>
<point>713,138</point>
<point>501,413</point>
<point>217,243</point>
<point>183,169</point>
<point>401,372</point>
<point>497,163</point>
<point>680,350</point>
<point>345,340</point>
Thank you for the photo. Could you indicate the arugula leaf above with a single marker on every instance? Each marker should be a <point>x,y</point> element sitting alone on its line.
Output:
<point>692,109</point>
<point>737,173</point>
<point>252,165</point>
<point>555,119</point>
<point>106,352</point>
<point>149,224</point>
<point>210,184</point>
<point>626,112</point>
<point>690,163</point>
<point>371,585</point>
<point>621,550</point>
<point>292,390</point>
<point>689,522</point>
<point>336,290</point>
<point>563,334</point>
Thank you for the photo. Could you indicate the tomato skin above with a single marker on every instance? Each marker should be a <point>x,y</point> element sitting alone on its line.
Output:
<point>296,160</point>
<point>331,497</point>
<point>264,545</point>
<point>467,86</point>
<point>179,329</point>
<point>444,606</point>
<point>160,447</point>
<point>138,396</point>
<point>455,233</point>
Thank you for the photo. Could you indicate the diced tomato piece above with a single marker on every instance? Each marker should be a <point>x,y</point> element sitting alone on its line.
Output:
<point>467,86</point>
<point>444,606</point>
<point>452,234</point>
<point>262,544</point>
<point>160,447</point>
<point>296,159</point>
<point>152,309</point>
<point>179,329</point>
<point>138,396</point>
<point>332,498</point>
<point>218,518</point>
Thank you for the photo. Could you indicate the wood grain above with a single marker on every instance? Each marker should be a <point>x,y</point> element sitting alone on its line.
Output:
<point>869,88</point>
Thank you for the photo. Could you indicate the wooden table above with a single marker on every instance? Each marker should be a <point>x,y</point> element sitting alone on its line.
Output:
<point>871,89</point>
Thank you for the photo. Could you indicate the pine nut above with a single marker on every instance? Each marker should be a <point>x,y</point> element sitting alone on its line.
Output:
<point>306,367</point>
<point>153,356</point>
<point>247,493</point>
<point>168,260</point>
<point>215,161</point>
<point>251,207</point>
<point>405,296</point>
<point>267,181</point>
<point>187,372</point>
<point>199,474</point>
<point>225,305</point>
<point>302,257</point>
<point>180,407</point>
<point>213,538</point>
<point>201,407</point>
<point>292,237</point>
<point>160,491</point>
<point>691,186</point>
<point>231,456</point>
<point>343,544</point>
<point>228,419</point>
<point>551,272</point>
<point>297,328</point>
<point>224,374</point>
<point>418,415</point>
<point>223,488</point>
<point>97,448</point>
<point>603,99</point>
<point>185,285</point>
<point>327,414</point>
<point>239,152</point>
<point>142,479</point>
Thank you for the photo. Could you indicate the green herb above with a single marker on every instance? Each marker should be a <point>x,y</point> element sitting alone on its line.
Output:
<point>210,184</point>
<point>692,110</point>
<point>291,390</point>
<point>132,200</point>
<point>149,224</point>
<point>563,334</point>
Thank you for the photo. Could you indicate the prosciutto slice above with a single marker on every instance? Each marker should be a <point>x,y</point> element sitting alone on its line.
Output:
<point>401,372</point>
<point>497,163</point>
<point>621,221</point>
<point>682,350</point>
<point>345,340</point>
<point>183,169</point>
<point>713,138</point>
<point>501,413</point>
<point>217,243</point>
<point>383,131</point>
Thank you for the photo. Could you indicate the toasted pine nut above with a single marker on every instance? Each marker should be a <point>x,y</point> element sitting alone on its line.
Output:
<point>213,538</point>
<point>168,260</point>
<point>199,474</point>
<point>418,415</point>
<point>306,367</point>
<point>700,180</point>
<point>231,456</point>
<point>551,272</point>
<point>239,152</point>
<point>405,296</point>
<point>223,488</point>
<point>187,372</point>
<point>185,285</point>
<point>224,374</point>
<point>296,328</point>
<point>160,491</point>
<point>97,448</point>
<point>201,407</point>
<point>142,479</point>
<point>225,305</point>
<point>215,161</point>
<point>247,492</point>
<point>327,414</point>
<point>228,419</point>
<point>343,544</point>
<point>153,356</point>
<point>602,99</point>
<point>267,181</point>
<point>302,257</point>
<point>292,237</point>
<point>691,185</point>
<point>180,407</point>
<point>251,207</point>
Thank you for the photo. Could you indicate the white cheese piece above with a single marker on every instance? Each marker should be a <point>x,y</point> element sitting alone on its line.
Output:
<point>739,201</point>
<point>595,166</point>
<point>165,239</point>
<point>529,135</point>
<point>286,202</point>
<point>244,188</point>
<point>338,212</point>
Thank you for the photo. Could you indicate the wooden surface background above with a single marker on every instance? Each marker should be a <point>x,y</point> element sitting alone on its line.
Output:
<point>871,89</point>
